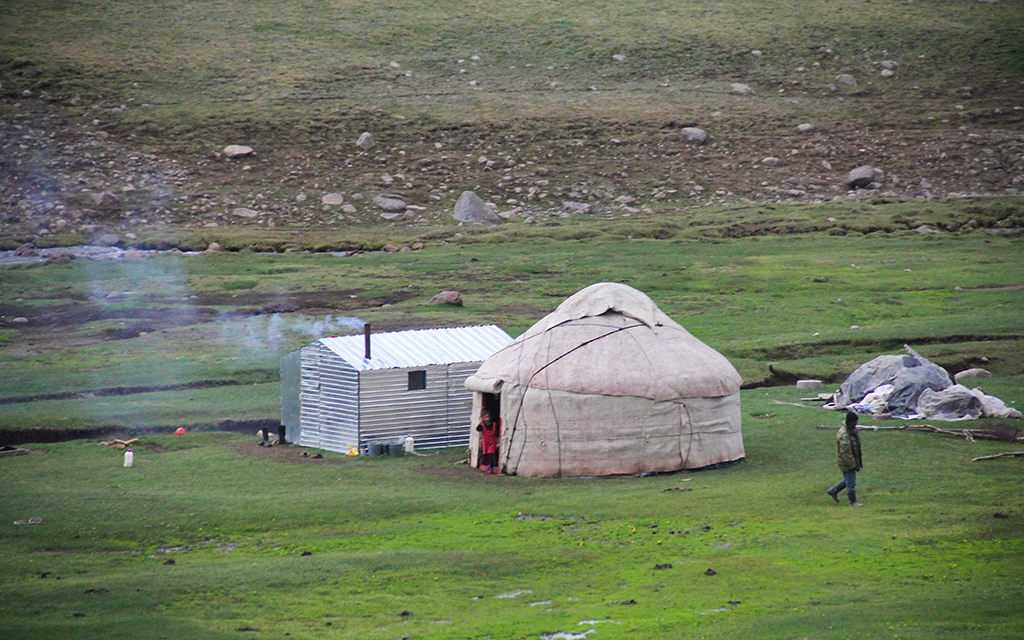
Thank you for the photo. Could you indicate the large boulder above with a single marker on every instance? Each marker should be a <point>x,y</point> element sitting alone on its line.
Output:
<point>390,203</point>
<point>861,177</point>
<point>472,209</point>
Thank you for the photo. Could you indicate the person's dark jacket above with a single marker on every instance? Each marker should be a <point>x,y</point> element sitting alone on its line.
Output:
<point>848,449</point>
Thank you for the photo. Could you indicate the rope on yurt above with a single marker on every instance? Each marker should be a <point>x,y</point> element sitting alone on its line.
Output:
<point>689,445</point>
<point>526,389</point>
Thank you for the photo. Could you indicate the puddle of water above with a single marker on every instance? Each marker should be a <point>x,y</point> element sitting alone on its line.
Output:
<point>562,635</point>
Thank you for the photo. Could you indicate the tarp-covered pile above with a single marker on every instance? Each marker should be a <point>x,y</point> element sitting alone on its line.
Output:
<point>911,386</point>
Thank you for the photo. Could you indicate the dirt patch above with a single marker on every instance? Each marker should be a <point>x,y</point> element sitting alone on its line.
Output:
<point>290,453</point>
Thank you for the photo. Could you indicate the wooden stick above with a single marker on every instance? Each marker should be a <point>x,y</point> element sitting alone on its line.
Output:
<point>1008,454</point>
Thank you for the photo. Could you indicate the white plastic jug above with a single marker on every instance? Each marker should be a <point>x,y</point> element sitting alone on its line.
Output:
<point>129,458</point>
<point>409,444</point>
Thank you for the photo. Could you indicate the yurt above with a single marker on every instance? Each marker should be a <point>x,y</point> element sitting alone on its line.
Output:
<point>608,384</point>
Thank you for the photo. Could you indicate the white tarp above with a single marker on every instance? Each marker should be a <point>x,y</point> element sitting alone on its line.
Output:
<point>910,387</point>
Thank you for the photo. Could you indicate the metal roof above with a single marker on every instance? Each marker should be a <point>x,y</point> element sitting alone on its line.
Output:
<point>420,348</point>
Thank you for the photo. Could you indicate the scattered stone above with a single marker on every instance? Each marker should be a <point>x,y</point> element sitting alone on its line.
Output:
<point>366,141</point>
<point>27,250</point>
<point>806,127</point>
<point>809,385</point>
<point>242,212</point>
<point>106,200</point>
<point>846,79</point>
<point>20,320</point>
<point>389,202</point>
<point>861,177</point>
<point>756,53</point>
<point>887,73</point>
<point>619,57</point>
<point>579,207</point>
<point>213,247</point>
<point>741,89</point>
<point>332,199</point>
<point>416,246</point>
<point>390,217</point>
<point>889,64</point>
<point>390,248</point>
<point>972,374</point>
<point>472,209</point>
<point>107,240</point>
<point>237,150</point>
<point>694,135</point>
<point>301,197</point>
<point>387,179</point>
<point>453,298</point>
<point>770,161</point>
<point>348,208</point>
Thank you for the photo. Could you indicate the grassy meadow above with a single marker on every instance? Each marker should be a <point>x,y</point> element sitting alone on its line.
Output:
<point>425,547</point>
<point>531,104</point>
<point>268,544</point>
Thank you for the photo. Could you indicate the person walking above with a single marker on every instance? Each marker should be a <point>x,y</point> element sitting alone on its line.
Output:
<point>849,459</point>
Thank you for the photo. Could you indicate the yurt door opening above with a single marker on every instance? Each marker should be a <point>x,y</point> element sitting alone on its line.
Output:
<point>485,435</point>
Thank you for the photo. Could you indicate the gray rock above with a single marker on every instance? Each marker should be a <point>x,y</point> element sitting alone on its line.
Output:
<point>332,198</point>
<point>741,89</point>
<point>107,240</point>
<point>471,208</point>
<point>861,177</point>
<point>972,374</point>
<point>348,208</point>
<point>806,127</point>
<point>808,384</point>
<point>770,161</point>
<point>390,203</point>
<point>242,212</point>
<point>846,79</point>
<point>453,298</point>
<point>237,150</point>
<point>366,141</point>
<point>694,135</point>
<point>579,207</point>
<point>27,250</point>
<point>106,200</point>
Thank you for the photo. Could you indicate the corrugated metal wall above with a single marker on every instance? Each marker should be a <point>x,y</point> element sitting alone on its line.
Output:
<point>389,411</point>
<point>330,392</point>
<point>291,395</point>
<point>342,407</point>
<point>339,397</point>
<point>460,403</point>
<point>309,400</point>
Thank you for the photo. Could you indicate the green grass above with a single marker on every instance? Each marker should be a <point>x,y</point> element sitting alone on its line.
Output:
<point>926,558</point>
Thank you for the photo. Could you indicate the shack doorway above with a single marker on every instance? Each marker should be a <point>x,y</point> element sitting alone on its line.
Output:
<point>491,403</point>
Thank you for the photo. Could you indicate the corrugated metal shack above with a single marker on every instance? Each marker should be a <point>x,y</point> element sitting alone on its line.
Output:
<point>353,390</point>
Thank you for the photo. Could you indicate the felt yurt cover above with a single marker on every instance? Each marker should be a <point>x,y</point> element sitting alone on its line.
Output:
<point>608,384</point>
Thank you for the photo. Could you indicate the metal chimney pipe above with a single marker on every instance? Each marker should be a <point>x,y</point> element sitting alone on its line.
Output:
<point>366,338</point>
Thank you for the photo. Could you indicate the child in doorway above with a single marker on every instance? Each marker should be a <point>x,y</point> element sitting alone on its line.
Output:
<point>489,434</point>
